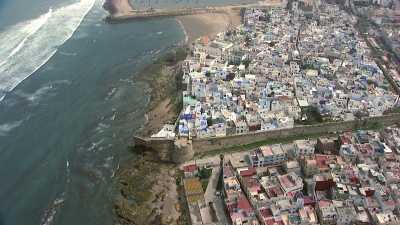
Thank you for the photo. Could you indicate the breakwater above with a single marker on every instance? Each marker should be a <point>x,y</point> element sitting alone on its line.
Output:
<point>177,151</point>
<point>156,13</point>
<point>138,15</point>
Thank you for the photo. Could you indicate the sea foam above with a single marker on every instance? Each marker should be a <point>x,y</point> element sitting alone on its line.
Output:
<point>27,46</point>
<point>5,128</point>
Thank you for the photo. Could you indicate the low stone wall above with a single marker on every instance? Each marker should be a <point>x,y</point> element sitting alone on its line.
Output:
<point>204,145</point>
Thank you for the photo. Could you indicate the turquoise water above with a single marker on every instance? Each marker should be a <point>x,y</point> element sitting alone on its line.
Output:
<point>64,126</point>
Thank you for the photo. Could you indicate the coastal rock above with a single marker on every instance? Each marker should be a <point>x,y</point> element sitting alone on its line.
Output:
<point>118,7</point>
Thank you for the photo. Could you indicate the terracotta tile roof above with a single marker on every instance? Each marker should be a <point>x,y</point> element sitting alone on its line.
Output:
<point>190,168</point>
<point>249,172</point>
<point>244,204</point>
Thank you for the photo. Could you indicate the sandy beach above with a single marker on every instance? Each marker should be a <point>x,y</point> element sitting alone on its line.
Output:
<point>209,25</point>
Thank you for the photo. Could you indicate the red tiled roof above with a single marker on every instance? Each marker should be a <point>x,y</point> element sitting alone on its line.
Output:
<point>274,191</point>
<point>265,213</point>
<point>369,193</point>
<point>322,160</point>
<point>345,139</point>
<point>227,171</point>
<point>231,206</point>
<point>365,148</point>
<point>274,222</point>
<point>190,168</point>
<point>205,40</point>
<point>251,183</point>
<point>244,204</point>
<point>324,203</point>
<point>249,172</point>
<point>308,200</point>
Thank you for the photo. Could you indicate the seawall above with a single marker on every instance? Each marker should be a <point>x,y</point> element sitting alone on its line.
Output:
<point>141,15</point>
<point>177,151</point>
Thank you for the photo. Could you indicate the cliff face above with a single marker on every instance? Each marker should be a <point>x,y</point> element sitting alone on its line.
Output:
<point>117,7</point>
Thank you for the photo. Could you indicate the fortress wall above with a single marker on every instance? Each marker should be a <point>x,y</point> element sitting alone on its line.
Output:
<point>204,145</point>
<point>168,150</point>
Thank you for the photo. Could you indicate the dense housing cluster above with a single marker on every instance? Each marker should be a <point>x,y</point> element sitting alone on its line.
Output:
<point>281,68</point>
<point>310,62</point>
<point>383,32</point>
<point>352,178</point>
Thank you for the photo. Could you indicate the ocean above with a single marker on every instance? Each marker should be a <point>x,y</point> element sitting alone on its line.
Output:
<point>69,105</point>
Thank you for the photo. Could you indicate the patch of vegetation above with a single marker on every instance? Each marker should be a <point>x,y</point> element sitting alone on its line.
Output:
<point>204,184</point>
<point>370,126</point>
<point>174,56</point>
<point>204,176</point>
<point>183,207</point>
<point>313,117</point>
<point>393,110</point>
<point>246,62</point>
<point>205,173</point>
<point>310,67</point>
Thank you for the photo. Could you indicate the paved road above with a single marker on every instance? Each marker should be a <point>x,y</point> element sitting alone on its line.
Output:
<point>210,196</point>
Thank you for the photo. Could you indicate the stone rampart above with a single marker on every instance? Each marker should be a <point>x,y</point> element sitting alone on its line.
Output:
<point>208,144</point>
<point>176,151</point>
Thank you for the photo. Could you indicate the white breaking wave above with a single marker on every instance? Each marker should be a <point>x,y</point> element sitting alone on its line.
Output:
<point>5,128</point>
<point>35,96</point>
<point>27,46</point>
<point>16,40</point>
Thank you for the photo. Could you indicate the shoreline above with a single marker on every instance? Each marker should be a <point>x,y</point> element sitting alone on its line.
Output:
<point>186,40</point>
<point>147,191</point>
<point>157,193</point>
<point>163,77</point>
<point>194,27</point>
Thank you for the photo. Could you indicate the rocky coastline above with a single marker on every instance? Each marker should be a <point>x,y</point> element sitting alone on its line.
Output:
<point>147,192</point>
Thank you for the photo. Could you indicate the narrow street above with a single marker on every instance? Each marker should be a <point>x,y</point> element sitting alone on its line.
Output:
<point>217,201</point>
